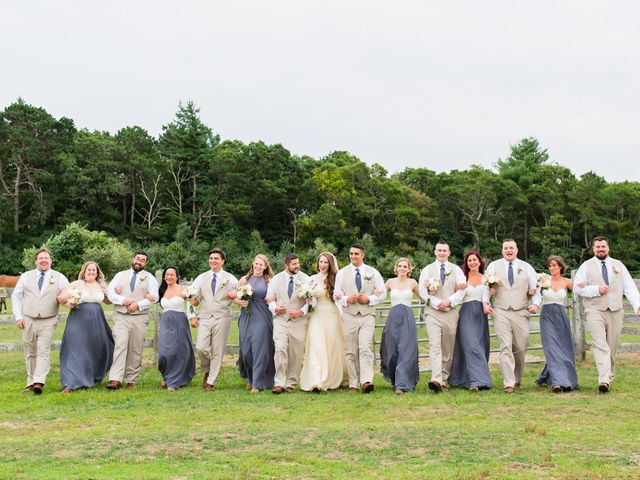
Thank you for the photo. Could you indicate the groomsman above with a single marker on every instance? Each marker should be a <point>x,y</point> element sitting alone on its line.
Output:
<point>602,281</point>
<point>130,292</point>
<point>35,308</point>
<point>289,324</point>
<point>441,316</point>
<point>358,289</point>
<point>511,311</point>
<point>215,290</point>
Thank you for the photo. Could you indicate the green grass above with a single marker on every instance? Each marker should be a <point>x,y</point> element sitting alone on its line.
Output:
<point>229,433</point>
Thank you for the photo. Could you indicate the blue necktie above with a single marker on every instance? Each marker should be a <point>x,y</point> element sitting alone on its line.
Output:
<point>605,273</point>
<point>290,287</point>
<point>510,274</point>
<point>358,280</point>
<point>213,284</point>
<point>132,283</point>
<point>40,280</point>
<point>442,274</point>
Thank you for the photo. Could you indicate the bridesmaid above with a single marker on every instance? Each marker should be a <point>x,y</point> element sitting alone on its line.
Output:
<point>470,368</point>
<point>323,367</point>
<point>560,370</point>
<point>87,344</point>
<point>255,361</point>
<point>399,343</point>
<point>176,358</point>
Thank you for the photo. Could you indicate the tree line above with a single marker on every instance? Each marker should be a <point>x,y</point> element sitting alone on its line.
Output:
<point>180,193</point>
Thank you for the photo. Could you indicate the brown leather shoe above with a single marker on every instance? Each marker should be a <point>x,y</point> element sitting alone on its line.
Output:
<point>367,387</point>
<point>278,390</point>
<point>508,390</point>
<point>290,389</point>
<point>37,388</point>
<point>131,386</point>
<point>114,385</point>
<point>204,379</point>
<point>248,387</point>
<point>353,390</point>
<point>602,388</point>
<point>209,388</point>
<point>556,389</point>
<point>28,388</point>
<point>435,386</point>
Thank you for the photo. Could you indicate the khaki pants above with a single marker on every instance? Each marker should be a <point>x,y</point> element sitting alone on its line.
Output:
<point>358,336</point>
<point>605,327</point>
<point>36,339</point>
<point>213,334</point>
<point>512,330</point>
<point>288,337</point>
<point>128,334</point>
<point>441,328</point>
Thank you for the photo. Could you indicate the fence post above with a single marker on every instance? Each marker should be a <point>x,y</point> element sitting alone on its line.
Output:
<point>577,326</point>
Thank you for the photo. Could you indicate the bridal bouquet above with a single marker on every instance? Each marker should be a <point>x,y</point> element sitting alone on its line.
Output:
<point>307,291</point>
<point>73,298</point>
<point>432,285</point>
<point>491,281</point>
<point>544,281</point>
<point>244,293</point>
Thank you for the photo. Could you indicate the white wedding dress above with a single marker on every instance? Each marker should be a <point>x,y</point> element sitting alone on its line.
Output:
<point>323,367</point>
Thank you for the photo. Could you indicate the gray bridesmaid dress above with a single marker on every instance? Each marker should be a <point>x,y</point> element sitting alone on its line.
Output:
<point>176,357</point>
<point>87,346</point>
<point>255,361</point>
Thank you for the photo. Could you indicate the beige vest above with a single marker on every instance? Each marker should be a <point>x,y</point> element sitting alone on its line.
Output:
<point>282,296</point>
<point>449,287</point>
<point>512,297</point>
<point>349,287</point>
<point>140,289</point>
<point>613,299</point>
<point>218,305</point>
<point>38,305</point>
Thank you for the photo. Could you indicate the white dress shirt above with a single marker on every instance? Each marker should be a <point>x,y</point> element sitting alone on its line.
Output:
<point>272,288</point>
<point>143,275</point>
<point>351,270</point>
<point>590,291</point>
<point>18,292</point>
<point>434,301</point>
<point>206,277</point>
<point>517,265</point>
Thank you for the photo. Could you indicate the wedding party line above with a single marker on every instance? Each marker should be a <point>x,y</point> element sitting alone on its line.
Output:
<point>316,332</point>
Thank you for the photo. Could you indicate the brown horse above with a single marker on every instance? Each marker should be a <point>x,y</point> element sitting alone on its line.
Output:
<point>7,281</point>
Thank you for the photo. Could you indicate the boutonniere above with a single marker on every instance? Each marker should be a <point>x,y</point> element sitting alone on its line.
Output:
<point>224,282</point>
<point>52,280</point>
<point>616,270</point>
<point>520,270</point>
<point>446,274</point>
<point>298,282</point>
<point>143,278</point>
<point>368,276</point>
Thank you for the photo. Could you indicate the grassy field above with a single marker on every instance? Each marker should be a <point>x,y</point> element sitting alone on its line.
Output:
<point>229,433</point>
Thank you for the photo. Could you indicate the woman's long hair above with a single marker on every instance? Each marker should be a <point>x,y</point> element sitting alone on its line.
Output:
<point>267,274</point>
<point>330,281</point>
<point>163,284</point>
<point>465,267</point>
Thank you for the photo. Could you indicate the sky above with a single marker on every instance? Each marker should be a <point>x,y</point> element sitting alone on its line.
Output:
<point>441,85</point>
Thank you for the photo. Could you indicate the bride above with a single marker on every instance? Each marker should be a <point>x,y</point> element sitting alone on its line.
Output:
<point>323,367</point>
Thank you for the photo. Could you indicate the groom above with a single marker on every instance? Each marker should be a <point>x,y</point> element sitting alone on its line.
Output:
<point>354,290</point>
<point>289,324</point>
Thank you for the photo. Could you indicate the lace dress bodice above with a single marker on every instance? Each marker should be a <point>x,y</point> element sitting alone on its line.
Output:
<point>403,297</point>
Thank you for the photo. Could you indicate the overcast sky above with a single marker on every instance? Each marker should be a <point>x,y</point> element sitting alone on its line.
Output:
<point>441,85</point>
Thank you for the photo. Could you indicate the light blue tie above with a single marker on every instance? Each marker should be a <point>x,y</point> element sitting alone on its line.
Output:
<point>605,273</point>
<point>40,281</point>
<point>510,274</point>
<point>213,284</point>
<point>290,287</point>
<point>442,273</point>
<point>358,280</point>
